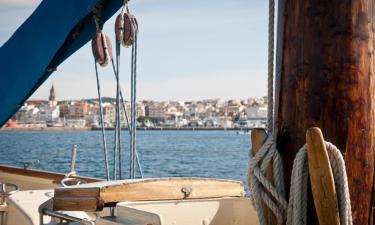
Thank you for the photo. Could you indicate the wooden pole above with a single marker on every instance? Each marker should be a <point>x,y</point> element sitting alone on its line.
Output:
<point>327,81</point>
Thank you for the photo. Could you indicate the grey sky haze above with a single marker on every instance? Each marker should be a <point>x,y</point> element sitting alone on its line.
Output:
<point>188,50</point>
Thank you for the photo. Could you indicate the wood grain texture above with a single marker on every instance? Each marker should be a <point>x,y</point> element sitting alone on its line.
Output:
<point>258,137</point>
<point>321,178</point>
<point>107,193</point>
<point>327,81</point>
<point>87,204</point>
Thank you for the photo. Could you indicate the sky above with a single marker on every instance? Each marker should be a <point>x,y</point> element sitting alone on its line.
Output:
<point>187,50</point>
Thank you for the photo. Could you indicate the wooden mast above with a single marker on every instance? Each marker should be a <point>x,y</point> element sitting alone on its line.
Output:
<point>327,81</point>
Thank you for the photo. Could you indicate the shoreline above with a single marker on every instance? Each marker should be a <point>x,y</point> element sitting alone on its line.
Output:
<point>57,129</point>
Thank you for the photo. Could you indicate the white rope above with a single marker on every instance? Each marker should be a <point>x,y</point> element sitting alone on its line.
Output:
<point>278,66</point>
<point>295,212</point>
<point>271,43</point>
<point>274,197</point>
<point>262,190</point>
<point>273,194</point>
<point>297,208</point>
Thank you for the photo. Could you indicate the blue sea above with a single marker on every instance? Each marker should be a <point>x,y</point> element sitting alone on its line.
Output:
<point>214,154</point>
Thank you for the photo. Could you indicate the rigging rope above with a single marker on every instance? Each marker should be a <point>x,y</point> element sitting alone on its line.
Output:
<point>102,123</point>
<point>128,122</point>
<point>274,198</point>
<point>133,100</point>
<point>117,147</point>
<point>126,34</point>
<point>271,41</point>
<point>102,54</point>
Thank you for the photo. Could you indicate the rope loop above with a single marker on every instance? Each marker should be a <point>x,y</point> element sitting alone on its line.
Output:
<point>263,191</point>
<point>297,209</point>
<point>272,194</point>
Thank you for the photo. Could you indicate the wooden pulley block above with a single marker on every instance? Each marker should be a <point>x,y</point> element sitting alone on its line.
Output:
<point>102,48</point>
<point>125,28</point>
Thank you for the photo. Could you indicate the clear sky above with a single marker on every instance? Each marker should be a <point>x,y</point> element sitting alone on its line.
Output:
<point>187,50</point>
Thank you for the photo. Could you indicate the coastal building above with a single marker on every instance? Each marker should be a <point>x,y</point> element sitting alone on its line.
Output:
<point>64,109</point>
<point>256,111</point>
<point>141,109</point>
<point>193,110</point>
<point>233,108</point>
<point>78,109</point>
<point>48,113</point>
<point>156,110</point>
<point>27,114</point>
<point>109,113</point>
<point>209,112</point>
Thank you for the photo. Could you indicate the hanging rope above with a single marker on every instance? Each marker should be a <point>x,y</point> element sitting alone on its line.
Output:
<point>133,101</point>
<point>117,149</point>
<point>102,52</point>
<point>279,54</point>
<point>126,35</point>
<point>297,209</point>
<point>271,41</point>
<point>274,197</point>
<point>102,123</point>
<point>117,146</point>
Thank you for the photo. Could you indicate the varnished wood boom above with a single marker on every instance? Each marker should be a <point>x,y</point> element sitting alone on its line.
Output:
<point>95,196</point>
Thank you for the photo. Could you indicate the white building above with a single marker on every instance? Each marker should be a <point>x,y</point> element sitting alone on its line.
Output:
<point>27,114</point>
<point>48,113</point>
<point>256,111</point>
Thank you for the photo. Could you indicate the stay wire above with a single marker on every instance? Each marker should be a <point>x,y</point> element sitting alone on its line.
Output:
<point>132,115</point>
<point>118,103</point>
<point>122,98</point>
<point>102,122</point>
<point>128,121</point>
<point>135,95</point>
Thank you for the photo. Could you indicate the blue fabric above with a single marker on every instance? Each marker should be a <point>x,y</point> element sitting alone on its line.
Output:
<point>55,30</point>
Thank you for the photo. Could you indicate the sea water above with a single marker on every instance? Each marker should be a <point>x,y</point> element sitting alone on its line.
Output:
<point>213,154</point>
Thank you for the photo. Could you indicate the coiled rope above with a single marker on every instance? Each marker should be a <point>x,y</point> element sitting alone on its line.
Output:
<point>297,208</point>
<point>274,197</point>
<point>273,194</point>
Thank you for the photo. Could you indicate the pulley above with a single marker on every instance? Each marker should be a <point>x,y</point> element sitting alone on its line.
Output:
<point>102,48</point>
<point>125,28</point>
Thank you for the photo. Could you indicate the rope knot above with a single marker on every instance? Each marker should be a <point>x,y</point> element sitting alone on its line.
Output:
<point>272,194</point>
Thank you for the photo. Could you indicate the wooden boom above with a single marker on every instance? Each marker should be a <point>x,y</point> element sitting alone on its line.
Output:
<point>327,81</point>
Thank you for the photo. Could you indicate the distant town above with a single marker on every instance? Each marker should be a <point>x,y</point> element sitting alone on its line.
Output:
<point>85,113</point>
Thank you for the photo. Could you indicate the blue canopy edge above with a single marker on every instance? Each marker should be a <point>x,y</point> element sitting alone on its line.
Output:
<point>54,31</point>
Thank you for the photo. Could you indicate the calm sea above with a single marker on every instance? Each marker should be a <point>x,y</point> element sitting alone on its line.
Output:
<point>219,154</point>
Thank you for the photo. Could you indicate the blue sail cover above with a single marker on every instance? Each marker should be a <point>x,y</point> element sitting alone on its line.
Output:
<point>55,30</point>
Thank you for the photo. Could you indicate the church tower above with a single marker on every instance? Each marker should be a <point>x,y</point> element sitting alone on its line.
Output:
<point>52,96</point>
